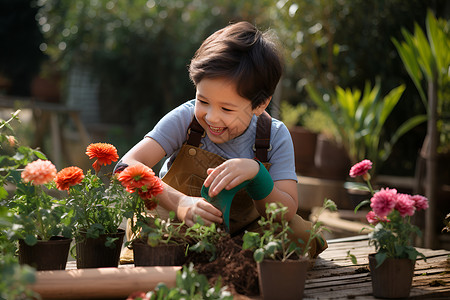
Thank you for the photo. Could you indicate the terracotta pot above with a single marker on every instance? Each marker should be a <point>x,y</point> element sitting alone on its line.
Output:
<point>331,159</point>
<point>45,255</point>
<point>393,279</point>
<point>161,255</point>
<point>46,89</point>
<point>285,279</point>
<point>92,253</point>
<point>305,148</point>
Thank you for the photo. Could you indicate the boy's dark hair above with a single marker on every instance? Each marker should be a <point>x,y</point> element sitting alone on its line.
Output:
<point>243,54</point>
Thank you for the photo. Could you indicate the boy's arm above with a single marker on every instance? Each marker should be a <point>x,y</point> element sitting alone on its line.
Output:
<point>149,152</point>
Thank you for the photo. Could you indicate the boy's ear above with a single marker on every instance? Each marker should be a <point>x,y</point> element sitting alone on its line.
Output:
<point>262,107</point>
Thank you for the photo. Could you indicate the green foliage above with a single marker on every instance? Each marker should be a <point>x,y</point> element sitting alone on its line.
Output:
<point>293,115</point>
<point>97,206</point>
<point>204,238</point>
<point>429,60</point>
<point>159,231</point>
<point>12,155</point>
<point>190,285</point>
<point>274,242</point>
<point>39,215</point>
<point>393,239</point>
<point>359,119</point>
<point>14,278</point>
<point>166,34</point>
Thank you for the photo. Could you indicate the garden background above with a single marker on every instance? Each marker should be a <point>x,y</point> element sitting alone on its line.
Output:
<point>123,64</point>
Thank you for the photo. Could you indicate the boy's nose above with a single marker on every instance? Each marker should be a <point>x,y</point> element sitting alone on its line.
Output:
<point>211,116</point>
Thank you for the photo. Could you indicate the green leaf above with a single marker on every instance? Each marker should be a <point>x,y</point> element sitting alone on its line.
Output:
<point>380,257</point>
<point>352,257</point>
<point>30,240</point>
<point>258,255</point>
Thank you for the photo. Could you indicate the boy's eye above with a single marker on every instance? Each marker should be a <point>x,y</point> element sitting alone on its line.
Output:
<point>226,109</point>
<point>202,102</point>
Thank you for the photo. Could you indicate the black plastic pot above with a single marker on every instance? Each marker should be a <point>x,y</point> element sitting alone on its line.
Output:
<point>45,255</point>
<point>92,253</point>
<point>161,255</point>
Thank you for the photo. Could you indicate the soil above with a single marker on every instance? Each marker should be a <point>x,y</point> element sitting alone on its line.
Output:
<point>234,266</point>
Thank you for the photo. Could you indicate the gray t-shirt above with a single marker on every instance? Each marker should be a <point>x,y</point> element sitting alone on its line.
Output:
<point>171,132</point>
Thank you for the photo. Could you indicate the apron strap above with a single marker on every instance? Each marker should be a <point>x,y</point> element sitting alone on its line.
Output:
<point>262,140</point>
<point>195,133</point>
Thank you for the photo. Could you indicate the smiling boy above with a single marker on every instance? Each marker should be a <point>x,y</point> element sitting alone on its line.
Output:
<point>224,137</point>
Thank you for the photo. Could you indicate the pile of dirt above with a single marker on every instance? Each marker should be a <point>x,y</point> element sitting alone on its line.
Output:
<point>234,266</point>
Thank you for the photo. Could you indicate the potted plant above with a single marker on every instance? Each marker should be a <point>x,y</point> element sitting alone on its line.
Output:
<point>97,209</point>
<point>359,118</point>
<point>282,263</point>
<point>41,223</point>
<point>160,242</point>
<point>203,239</point>
<point>392,266</point>
<point>155,241</point>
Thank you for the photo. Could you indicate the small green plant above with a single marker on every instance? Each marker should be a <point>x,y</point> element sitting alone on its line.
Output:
<point>189,286</point>
<point>204,238</point>
<point>157,231</point>
<point>274,241</point>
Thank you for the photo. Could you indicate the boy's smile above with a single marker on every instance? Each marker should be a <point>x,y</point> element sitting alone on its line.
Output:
<point>221,111</point>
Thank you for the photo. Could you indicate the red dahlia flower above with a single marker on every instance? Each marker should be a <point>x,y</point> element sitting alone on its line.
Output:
<point>104,152</point>
<point>68,177</point>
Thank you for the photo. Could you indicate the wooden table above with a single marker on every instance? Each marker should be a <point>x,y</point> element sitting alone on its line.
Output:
<point>335,277</point>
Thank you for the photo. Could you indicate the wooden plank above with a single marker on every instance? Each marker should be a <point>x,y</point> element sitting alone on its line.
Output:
<point>102,282</point>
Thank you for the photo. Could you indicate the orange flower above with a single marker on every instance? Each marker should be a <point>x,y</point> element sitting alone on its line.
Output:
<point>142,179</point>
<point>39,172</point>
<point>104,152</point>
<point>148,192</point>
<point>137,176</point>
<point>68,177</point>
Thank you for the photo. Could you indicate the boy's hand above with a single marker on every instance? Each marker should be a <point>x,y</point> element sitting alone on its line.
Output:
<point>229,174</point>
<point>192,207</point>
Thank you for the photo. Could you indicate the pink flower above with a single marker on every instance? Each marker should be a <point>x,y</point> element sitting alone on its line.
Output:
<point>421,202</point>
<point>361,168</point>
<point>383,202</point>
<point>373,219</point>
<point>405,205</point>
<point>39,172</point>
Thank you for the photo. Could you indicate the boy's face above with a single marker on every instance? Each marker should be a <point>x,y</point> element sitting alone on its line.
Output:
<point>221,111</point>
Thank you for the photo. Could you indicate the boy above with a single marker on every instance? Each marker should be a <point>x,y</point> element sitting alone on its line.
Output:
<point>214,139</point>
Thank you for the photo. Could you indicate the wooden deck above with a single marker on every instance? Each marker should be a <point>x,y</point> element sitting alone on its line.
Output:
<point>334,276</point>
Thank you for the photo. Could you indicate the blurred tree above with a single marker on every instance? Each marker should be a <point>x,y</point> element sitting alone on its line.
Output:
<point>139,50</point>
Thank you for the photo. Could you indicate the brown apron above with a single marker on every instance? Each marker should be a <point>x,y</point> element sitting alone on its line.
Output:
<point>188,172</point>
